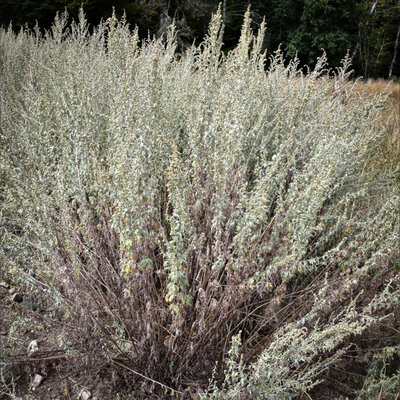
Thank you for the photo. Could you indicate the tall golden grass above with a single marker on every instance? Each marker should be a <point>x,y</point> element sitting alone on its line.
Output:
<point>390,116</point>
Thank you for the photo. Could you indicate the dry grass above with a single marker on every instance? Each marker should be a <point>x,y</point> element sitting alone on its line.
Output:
<point>390,116</point>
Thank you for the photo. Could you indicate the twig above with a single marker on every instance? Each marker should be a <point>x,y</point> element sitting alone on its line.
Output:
<point>147,378</point>
<point>9,384</point>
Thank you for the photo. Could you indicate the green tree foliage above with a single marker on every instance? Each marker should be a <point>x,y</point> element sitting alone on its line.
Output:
<point>28,12</point>
<point>378,41</point>
<point>302,27</point>
<point>324,24</point>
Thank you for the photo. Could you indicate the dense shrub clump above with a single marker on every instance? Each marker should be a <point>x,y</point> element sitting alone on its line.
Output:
<point>193,212</point>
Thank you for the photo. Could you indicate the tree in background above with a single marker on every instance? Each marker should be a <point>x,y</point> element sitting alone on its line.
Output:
<point>375,53</point>
<point>324,24</point>
<point>369,29</point>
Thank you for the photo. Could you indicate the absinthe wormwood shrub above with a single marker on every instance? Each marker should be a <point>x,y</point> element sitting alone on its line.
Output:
<point>195,203</point>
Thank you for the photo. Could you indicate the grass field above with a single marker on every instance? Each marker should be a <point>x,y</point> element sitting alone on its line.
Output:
<point>390,115</point>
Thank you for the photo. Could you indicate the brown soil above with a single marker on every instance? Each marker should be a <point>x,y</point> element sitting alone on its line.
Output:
<point>63,375</point>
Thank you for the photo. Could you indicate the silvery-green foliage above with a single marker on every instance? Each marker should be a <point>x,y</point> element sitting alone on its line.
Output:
<point>383,376</point>
<point>172,200</point>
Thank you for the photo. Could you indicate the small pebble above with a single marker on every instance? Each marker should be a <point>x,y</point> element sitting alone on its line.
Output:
<point>37,380</point>
<point>33,347</point>
<point>85,394</point>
